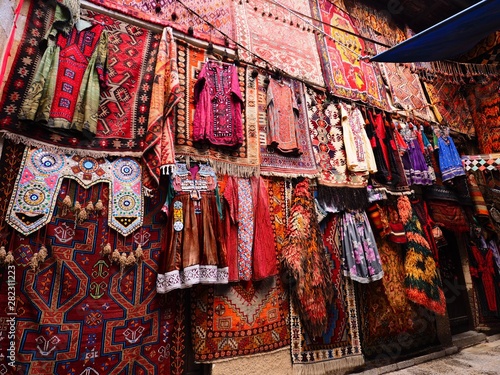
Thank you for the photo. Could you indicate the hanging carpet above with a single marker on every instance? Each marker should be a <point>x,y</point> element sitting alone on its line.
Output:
<point>484,104</point>
<point>339,348</point>
<point>345,74</point>
<point>248,317</point>
<point>124,103</point>
<point>450,105</point>
<point>387,317</point>
<point>219,13</point>
<point>279,36</point>
<point>272,162</point>
<point>80,313</point>
<point>242,161</point>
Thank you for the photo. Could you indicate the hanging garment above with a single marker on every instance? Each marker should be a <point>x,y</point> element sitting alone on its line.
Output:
<point>65,92</point>
<point>422,281</point>
<point>218,100</point>
<point>359,153</point>
<point>159,154</point>
<point>39,181</point>
<point>194,252</point>
<point>250,243</point>
<point>282,117</point>
<point>485,271</point>
<point>450,162</point>
<point>361,260</point>
<point>415,166</point>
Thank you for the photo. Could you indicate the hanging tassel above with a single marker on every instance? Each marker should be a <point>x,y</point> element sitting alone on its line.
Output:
<point>90,207</point>
<point>139,254</point>
<point>42,254</point>
<point>99,206</point>
<point>3,254</point>
<point>115,256</point>
<point>82,216</point>
<point>66,205</point>
<point>123,262</point>
<point>131,260</point>
<point>106,250</point>
<point>33,263</point>
<point>9,259</point>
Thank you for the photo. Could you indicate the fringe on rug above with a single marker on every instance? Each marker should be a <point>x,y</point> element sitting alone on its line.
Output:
<point>343,198</point>
<point>334,366</point>
<point>222,167</point>
<point>17,138</point>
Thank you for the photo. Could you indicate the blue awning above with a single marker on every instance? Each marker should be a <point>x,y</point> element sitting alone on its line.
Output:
<point>449,38</point>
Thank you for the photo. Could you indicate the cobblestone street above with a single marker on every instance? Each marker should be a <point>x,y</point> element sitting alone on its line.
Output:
<point>480,359</point>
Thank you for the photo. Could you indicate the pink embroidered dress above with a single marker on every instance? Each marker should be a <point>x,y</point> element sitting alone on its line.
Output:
<point>217,95</point>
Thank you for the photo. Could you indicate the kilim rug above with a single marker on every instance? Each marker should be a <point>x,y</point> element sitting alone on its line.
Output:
<point>81,314</point>
<point>274,163</point>
<point>124,106</point>
<point>450,105</point>
<point>172,13</point>
<point>274,33</point>
<point>391,325</point>
<point>242,161</point>
<point>484,104</point>
<point>345,74</point>
<point>339,348</point>
<point>244,318</point>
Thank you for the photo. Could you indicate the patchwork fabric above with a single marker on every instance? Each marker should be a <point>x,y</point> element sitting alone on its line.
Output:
<point>239,319</point>
<point>79,313</point>
<point>483,162</point>
<point>274,163</point>
<point>279,37</point>
<point>218,12</point>
<point>242,161</point>
<point>124,103</point>
<point>346,75</point>
<point>40,178</point>
<point>339,347</point>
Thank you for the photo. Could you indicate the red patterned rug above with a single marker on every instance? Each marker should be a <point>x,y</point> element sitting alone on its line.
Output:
<point>124,107</point>
<point>345,74</point>
<point>244,318</point>
<point>451,106</point>
<point>79,313</point>
<point>242,161</point>
<point>484,103</point>
<point>280,37</point>
<point>339,348</point>
<point>172,13</point>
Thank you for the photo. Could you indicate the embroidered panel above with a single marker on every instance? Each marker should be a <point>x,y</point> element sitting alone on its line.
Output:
<point>41,175</point>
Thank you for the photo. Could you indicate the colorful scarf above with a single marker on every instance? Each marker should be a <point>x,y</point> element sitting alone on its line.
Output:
<point>422,281</point>
<point>303,258</point>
